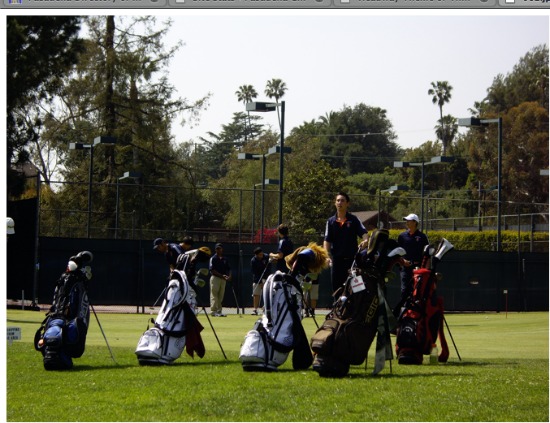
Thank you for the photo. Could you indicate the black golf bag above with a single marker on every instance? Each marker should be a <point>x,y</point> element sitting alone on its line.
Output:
<point>359,313</point>
<point>421,318</point>
<point>62,335</point>
<point>176,326</point>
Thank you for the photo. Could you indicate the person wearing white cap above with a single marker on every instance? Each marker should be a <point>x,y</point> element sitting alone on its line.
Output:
<point>413,242</point>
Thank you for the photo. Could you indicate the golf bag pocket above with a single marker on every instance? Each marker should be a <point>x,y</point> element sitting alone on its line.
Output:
<point>155,347</point>
<point>53,335</point>
<point>150,344</point>
<point>348,341</point>
<point>253,349</point>
<point>257,353</point>
<point>353,342</point>
<point>75,337</point>
<point>322,341</point>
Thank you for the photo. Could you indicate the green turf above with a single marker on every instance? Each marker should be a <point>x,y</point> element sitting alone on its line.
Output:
<point>503,376</point>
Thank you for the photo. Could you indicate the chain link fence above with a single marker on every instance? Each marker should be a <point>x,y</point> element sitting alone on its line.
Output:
<point>138,211</point>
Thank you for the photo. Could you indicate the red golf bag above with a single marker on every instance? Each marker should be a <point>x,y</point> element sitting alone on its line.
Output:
<point>421,318</point>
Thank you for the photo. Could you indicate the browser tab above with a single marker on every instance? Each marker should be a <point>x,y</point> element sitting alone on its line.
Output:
<point>249,4</point>
<point>416,4</point>
<point>539,4</point>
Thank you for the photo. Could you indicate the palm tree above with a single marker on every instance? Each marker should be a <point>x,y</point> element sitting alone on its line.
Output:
<point>446,131</point>
<point>441,94</point>
<point>276,89</point>
<point>246,93</point>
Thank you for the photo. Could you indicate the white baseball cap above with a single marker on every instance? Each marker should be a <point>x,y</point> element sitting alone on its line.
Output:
<point>11,226</point>
<point>412,216</point>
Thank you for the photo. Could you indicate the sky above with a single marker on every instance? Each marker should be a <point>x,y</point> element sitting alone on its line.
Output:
<point>329,61</point>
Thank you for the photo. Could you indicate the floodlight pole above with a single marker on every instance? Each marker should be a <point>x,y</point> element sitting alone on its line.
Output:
<point>484,122</point>
<point>269,107</point>
<point>281,162</point>
<point>433,160</point>
<point>80,146</point>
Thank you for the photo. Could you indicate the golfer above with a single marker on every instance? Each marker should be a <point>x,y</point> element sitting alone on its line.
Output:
<point>341,233</point>
<point>413,242</point>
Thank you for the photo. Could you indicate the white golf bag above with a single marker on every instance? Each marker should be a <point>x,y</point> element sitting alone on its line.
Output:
<point>269,343</point>
<point>164,343</point>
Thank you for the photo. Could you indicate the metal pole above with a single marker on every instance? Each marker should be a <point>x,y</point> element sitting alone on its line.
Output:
<point>36,242</point>
<point>281,164</point>
<point>90,190</point>
<point>499,182</point>
<point>116,209</point>
<point>263,199</point>
<point>378,221</point>
<point>422,197</point>
<point>253,210</point>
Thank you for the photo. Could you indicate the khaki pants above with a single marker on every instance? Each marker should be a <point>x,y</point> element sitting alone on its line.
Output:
<point>217,291</point>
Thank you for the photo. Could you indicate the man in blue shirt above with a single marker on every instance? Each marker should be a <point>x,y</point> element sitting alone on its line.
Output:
<point>413,242</point>
<point>170,250</point>
<point>260,266</point>
<point>341,233</point>
<point>221,273</point>
<point>285,248</point>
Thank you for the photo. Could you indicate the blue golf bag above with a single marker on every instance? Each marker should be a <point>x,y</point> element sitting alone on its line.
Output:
<point>62,335</point>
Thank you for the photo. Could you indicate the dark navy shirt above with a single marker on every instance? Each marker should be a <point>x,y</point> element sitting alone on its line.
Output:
<point>286,247</point>
<point>414,245</point>
<point>220,264</point>
<point>343,236</point>
<point>174,250</point>
<point>258,266</point>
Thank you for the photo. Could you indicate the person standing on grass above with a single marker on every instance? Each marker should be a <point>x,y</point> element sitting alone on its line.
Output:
<point>341,233</point>
<point>284,248</point>
<point>260,266</point>
<point>413,242</point>
<point>221,273</point>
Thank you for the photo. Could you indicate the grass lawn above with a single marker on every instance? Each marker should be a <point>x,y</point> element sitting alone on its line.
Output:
<point>503,376</point>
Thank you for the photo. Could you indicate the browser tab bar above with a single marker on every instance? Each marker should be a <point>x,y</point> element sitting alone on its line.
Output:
<point>83,4</point>
<point>249,4</point>
<point>415,4</point>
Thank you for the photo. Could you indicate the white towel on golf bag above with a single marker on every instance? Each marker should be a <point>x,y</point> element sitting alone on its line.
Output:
<point>165,342</point>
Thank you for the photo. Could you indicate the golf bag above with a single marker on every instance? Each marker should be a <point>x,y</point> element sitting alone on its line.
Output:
<point>359,313</point>
<point>176,326</point>
<point>62,335</point>
<point>280,330</point>
<point>421,318</point>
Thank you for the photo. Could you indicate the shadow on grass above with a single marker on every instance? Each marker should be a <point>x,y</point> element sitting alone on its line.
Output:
<point>34,322</point>
<point>87,367</point>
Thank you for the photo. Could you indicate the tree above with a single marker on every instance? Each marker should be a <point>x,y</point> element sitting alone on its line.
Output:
<point>358,139</point>
<point>246,93</point>
<point>276,88</point>
<point>441,95</point>
<point>520,98</point>
<point>527,82</point>
<point>233,136</point>
<point>40,52</point>
<point>120,88</point>
<point>446,131</point>
<point>525,152</point>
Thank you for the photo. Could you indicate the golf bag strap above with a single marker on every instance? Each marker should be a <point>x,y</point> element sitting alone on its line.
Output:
<point>383,341</point>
